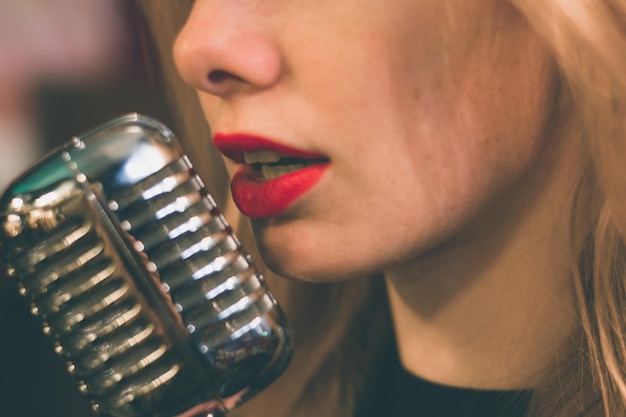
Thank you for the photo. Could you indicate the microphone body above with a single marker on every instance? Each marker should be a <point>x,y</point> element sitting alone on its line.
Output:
<point>137,278</point>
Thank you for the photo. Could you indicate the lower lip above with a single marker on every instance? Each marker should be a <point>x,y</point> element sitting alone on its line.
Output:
<point>262,199</point>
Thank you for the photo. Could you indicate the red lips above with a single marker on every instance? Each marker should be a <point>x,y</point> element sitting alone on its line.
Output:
<point>257,197</point>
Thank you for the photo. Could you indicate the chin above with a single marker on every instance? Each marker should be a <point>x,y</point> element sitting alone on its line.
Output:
<point>298,267</point>
<point>314,251</point>
<point>297,262</point>
<point>309,274</point>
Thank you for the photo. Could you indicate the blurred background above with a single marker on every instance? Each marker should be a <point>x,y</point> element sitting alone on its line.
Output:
<point>65,67</point>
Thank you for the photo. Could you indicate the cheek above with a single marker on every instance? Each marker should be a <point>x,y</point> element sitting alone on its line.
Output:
<point>475,138</point>
<point>487,121</point>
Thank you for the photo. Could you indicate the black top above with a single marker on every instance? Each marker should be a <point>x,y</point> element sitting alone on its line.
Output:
<point>404,395</point>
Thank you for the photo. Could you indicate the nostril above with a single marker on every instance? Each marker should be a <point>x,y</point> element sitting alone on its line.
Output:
<point>219,76</point>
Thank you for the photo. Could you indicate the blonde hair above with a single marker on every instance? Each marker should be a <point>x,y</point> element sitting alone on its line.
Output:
<point>343,330</point>
<point>588,40</point>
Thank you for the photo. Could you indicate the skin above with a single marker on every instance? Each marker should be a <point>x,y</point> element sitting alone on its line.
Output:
<point>449,171</point>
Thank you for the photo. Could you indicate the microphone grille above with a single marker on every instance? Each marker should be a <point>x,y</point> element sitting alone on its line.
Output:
<point>138,279</point>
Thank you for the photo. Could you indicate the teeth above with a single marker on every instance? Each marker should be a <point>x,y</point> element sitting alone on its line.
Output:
<point>272,165</point>
<point>263,157</point>
<point>271,172</point>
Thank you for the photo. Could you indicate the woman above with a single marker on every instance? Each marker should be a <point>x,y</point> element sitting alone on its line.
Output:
<point>467,155</point>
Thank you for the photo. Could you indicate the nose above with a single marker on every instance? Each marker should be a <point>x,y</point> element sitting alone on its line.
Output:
<point>223,48</point>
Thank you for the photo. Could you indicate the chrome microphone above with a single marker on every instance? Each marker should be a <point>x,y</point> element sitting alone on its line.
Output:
<point>136,276</point>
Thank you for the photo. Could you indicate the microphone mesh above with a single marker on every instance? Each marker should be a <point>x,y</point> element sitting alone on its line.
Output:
<point>138,279</point>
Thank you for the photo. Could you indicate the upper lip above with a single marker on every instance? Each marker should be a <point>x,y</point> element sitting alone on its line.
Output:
<point>234,145</point>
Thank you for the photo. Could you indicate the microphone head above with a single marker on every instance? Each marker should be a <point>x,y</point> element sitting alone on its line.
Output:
<point>134,273</point>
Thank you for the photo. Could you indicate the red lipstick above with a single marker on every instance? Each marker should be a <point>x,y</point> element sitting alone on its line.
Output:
<point>257,196</point>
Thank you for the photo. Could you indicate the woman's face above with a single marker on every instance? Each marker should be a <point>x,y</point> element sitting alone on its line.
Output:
<point>406,120</point>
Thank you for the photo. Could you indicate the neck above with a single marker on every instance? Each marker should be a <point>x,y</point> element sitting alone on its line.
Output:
<point>492,306</point>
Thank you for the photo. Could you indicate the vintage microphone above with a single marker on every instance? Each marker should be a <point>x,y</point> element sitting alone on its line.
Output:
<point>136,276</point>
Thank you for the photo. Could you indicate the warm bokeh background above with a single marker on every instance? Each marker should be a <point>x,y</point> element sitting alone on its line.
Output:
<point>65,67</point>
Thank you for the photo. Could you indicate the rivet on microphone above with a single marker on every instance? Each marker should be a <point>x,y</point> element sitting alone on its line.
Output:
<point>17,203</point>
<point>77,143</point>
<point>125,225</point>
